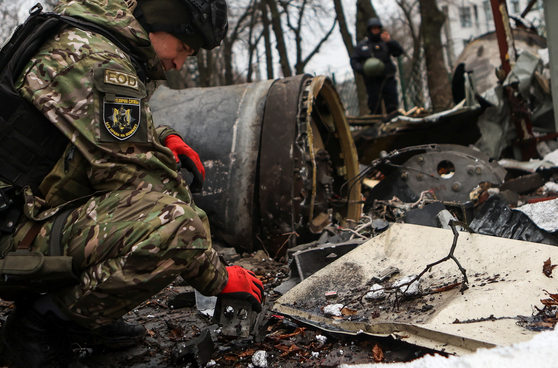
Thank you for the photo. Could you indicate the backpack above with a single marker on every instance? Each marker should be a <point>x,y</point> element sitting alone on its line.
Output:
<point>30,145</point>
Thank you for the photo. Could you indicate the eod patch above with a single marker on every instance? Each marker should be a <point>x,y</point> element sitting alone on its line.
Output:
<point>121,116</point>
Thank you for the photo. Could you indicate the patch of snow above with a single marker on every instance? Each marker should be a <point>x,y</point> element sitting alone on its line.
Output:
<point>540,351</point>
<point>552,157</point>
<point>550,186</point>
<point>543,214</point>
<point>333,310</point>
<point>259,359</point>
<point>412,289</point>
<point>376,292</point>
<point>321,339</point>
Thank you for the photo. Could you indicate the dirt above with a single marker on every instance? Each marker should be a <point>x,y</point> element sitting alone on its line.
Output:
<point>287,342</point>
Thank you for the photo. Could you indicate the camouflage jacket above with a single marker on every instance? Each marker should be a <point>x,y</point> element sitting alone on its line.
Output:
<point>89,89</point>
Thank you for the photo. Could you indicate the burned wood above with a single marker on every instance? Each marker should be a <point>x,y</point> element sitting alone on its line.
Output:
<point>396,290</point>
<point>483,319</point>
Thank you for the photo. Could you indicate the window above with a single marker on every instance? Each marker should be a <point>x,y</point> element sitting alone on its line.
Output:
<point>515,6</point>
<point>487,10</point>
<point>465,17</point>
<point>476,11</point>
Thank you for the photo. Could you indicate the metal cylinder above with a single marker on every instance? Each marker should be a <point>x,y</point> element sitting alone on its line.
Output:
<point>277,155</point>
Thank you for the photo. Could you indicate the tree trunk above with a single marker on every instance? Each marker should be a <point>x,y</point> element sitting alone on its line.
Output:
<point>267,41</point>
<point>365,11</point>
<point>229,41</point>
<point>278,30</point>
<point>343,29</point>
<point>432,20</point>
<point>251,47</point>
<point>203,68</point>
<point>227,55</point>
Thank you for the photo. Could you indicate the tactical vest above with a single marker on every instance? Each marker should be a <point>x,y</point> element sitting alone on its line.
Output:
<point>30,145</point>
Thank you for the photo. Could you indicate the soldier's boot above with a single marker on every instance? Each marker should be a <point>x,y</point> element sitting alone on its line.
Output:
<point>33,340</point>
<point>118,334</point>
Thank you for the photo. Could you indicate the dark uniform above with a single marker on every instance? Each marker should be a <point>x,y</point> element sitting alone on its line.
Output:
<point>383,86</point>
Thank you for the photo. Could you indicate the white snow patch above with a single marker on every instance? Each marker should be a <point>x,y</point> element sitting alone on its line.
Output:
<point>333,310</point>
<point>538,352</point>
<point>321,339</point>
<point>259,359</point>
<point>412,289</point>
<point>376,292</point>
<point>543,214</point>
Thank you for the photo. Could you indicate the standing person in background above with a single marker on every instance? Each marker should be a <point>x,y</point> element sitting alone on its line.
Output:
<point>372,58</point>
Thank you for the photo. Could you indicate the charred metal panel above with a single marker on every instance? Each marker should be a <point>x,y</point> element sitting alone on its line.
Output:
<point>223,124</point>
<point>277,163</point>
<point>449,171</point>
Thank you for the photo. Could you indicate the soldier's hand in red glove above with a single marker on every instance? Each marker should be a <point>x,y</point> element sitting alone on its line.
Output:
<point>244,285</point>
<point>188,159</point>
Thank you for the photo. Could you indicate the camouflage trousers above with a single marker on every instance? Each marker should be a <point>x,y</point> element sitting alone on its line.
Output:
<point>127,246</point>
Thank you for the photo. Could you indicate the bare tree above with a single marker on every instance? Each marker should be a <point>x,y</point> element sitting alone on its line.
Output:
<point>267,40</point>
<point>299,11</point>
<point>432,20</point>
<point>279,37</point>
<point>238,27</point>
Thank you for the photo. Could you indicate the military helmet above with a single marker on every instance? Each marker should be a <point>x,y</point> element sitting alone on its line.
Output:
<point>198,23</point>
<point>373,22</point>
<point>374,67</point>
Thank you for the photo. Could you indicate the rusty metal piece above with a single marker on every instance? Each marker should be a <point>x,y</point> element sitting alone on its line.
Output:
<point>504,35</point>
<point>524,183</point>
<point>520,117</point>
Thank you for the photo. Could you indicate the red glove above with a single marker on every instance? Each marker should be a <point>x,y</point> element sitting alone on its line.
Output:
<point>187,158</point>
<point>244,285</point>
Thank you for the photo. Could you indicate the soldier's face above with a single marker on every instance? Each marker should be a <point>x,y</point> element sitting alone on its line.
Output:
<point>171,51</point>
<point>375,30</point>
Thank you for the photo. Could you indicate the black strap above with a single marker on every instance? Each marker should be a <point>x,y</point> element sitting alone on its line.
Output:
<point>55,243</point>
<point>30,145</point>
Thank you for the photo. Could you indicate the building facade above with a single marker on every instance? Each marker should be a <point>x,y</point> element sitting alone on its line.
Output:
<point>469,19</point>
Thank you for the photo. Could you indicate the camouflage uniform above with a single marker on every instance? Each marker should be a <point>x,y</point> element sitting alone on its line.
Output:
<point>134,226</point>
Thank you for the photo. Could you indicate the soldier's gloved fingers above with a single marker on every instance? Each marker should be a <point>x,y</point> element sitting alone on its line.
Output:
<point>256,305</point>
<point>197,183</point>
<point>258,290</point>
<point>180,148</point>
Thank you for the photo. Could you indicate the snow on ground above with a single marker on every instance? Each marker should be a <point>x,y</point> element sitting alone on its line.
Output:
<point>541,351</point>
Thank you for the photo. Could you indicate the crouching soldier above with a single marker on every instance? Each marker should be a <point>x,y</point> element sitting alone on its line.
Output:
<point>102,220</point>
